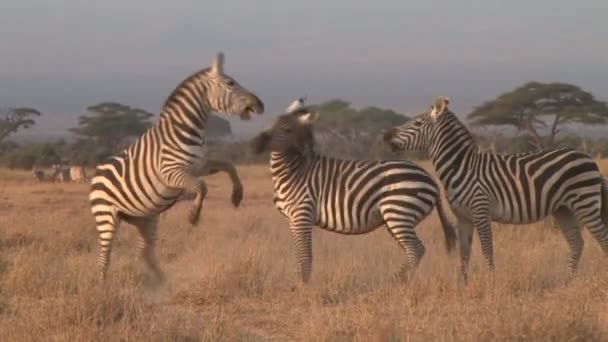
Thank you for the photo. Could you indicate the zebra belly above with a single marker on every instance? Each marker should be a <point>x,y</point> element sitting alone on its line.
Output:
<point>502,214</point>
<point>461,210</point>
<point>352,225</point>
<point>149,210</point>
<point>151,203</point>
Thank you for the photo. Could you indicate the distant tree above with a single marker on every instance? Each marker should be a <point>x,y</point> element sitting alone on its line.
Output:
<point>536,105</point>
<point>345,130</point>
<point>12,119</point>
<point>111,124</point>
<point>489,139</point>
<point>30,155</point>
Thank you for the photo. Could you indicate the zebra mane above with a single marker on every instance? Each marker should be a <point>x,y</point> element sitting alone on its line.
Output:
<point>183,83</point>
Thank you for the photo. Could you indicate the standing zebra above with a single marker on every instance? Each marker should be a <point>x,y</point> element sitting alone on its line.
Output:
<point>61,173</point>
<point>78,174</point>
<point>39,175</point>
<point>150,175</point>
<point>345,196</point>
<point>518,189</point>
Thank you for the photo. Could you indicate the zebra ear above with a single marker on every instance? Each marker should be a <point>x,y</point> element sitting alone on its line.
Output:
<point>308,118</point>
<point>439,107</point>
<point>217,66</point>
<point>295,105</point>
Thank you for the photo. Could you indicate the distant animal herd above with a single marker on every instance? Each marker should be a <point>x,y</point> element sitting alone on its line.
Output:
<point>61,174</point>
<point>343,196</point>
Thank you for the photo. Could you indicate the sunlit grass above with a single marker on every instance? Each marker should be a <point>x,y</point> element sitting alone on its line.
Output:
<point>233,278</point>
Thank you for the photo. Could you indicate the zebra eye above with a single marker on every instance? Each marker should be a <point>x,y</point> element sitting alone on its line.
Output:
<point>230,83</point>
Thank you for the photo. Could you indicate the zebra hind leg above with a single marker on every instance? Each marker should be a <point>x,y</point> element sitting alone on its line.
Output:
<point>148,234</point>
<point>571,231</point>
<point>403,231</point>
<point>592,218</point>
<point>107,225</point>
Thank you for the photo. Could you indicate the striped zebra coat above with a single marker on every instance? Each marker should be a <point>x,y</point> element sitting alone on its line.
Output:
<point>345,196</point>
<point>517,189</point>
<point>150,175</point>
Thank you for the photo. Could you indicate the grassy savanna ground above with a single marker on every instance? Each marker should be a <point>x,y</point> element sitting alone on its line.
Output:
<point>232,278</point>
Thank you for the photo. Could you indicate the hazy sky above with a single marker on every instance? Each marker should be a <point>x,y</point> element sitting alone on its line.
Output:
<point>60,56</point>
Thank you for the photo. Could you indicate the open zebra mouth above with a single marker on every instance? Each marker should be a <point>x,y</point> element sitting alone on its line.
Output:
<point>249,110</point>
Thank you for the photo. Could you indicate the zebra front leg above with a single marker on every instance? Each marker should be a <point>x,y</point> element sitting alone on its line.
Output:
<point>184,180</point>
<point>197,203</point>
<point>413,248</point>
<point>301,231</point>
<point>465,237</point>
<point>483,225</point>
<point>213,166</point>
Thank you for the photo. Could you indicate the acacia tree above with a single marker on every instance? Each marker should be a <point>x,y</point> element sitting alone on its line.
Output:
<point>111,123</point>
<point>535,106</point>
<point>352,132</point>
<point>111,126</point>
<point>13,119</point>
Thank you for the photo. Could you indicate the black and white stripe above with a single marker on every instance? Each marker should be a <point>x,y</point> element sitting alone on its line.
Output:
<point>345,196</point>
<point>150,175</point>
<point>517,189</point>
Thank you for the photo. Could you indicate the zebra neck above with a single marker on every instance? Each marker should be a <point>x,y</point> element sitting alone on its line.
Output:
<point>452,146</point>
<point>288,165</point>
<point>189,121</point>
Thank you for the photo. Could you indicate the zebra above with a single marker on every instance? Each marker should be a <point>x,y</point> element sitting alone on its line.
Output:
<point>78,174</point>
<point>345,196</point>
<point>61,173</point>
<point>39,175</point>
<point>513,188</point>
<point>150,175</point>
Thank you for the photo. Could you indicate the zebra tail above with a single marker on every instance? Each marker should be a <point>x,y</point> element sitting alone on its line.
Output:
<point>605,201</point>
<point>448,228</point>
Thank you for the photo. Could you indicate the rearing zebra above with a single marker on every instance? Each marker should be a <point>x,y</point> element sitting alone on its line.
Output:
<point>517,189</point>
<point>149,176</point>
<point>345,196</point>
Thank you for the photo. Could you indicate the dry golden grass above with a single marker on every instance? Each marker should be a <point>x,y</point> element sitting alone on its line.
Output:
<point>233,278</point>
